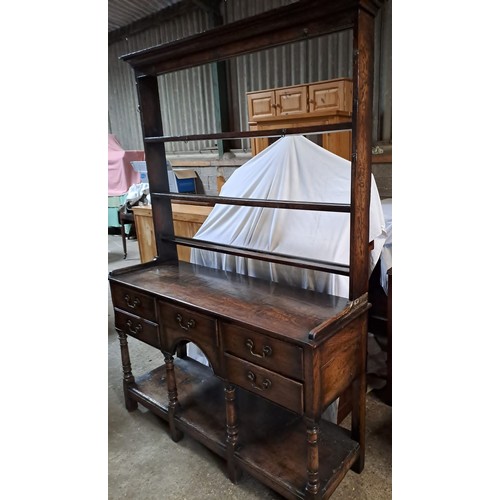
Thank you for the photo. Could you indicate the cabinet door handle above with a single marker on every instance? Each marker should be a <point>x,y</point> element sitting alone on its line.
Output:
<point>136,330</point>
<point>132,304</point>
<point>266,350</point>
<point>191,323</point>
<point>266,383</point>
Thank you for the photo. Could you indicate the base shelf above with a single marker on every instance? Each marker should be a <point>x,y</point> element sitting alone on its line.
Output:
<point>272,441</point>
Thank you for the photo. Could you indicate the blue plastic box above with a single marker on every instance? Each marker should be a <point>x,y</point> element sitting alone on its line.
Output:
<point>186,181</point>
<point>186,185</point>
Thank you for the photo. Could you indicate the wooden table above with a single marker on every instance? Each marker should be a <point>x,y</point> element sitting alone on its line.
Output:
<point>278,357</point>
<point>188,219</point>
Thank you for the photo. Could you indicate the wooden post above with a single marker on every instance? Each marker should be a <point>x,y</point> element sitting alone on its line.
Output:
<point>361,153</point>
<point>312,487</point>
<point>173,402</point>
<point>231,433</point>
<point>360,206</point>
<point>128,377</point>
<point>156,162</point>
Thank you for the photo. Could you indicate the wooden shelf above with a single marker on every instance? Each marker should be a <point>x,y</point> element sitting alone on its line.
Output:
<point>269,434</point>
<point>172,302</point>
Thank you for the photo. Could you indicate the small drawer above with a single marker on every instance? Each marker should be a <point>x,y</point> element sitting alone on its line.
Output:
<point>182,323</point>
<point>264,351</point>
<point>133,302</point>
<point>140,328</point>
<point>265,383</point>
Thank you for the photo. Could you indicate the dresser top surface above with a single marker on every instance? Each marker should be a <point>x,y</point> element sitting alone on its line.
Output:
<point>268,306</point>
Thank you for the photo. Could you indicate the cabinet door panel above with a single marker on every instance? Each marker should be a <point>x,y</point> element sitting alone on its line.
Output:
<point>330,97</point>
<point>261,105</point>
<point>291,101</point>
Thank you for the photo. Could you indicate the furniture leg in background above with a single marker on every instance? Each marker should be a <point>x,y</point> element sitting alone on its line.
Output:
<point>124,218</point>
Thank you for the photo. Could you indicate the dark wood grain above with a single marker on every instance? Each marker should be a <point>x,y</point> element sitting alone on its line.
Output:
<point>264,351</point>
<point>137,327</point>
<point>272,440</point>
<point>253,202</point>
<point>266,256</point>
<point>361,154</point>
<point>243,134</point>
<point>300,21</point>
<point>250,302</point>
<point>303,348</point>
<point>265,383</point>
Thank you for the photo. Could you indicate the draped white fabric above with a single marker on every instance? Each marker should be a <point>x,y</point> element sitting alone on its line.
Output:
<point>295,169</point>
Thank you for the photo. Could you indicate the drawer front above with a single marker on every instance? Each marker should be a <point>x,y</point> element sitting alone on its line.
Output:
<point>265,383</point>
<point>140,328</point>
<point>264,351</point>
<point>133,302</point>
<point>179,323</point>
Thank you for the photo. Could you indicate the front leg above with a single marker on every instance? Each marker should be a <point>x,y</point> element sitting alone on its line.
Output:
<point>234,472</point>
<point>128,377</point>
<point>312,487</point>
<point>173,402</point>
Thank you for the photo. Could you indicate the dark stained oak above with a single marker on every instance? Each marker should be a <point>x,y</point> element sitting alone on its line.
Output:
<point>278,355</point>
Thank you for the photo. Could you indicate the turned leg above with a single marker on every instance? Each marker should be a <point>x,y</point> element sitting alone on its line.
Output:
<point>124,236</point>
<point>128,378</point>
<point>173,402</point>
<point>358,418</point>
<point>312,487</point>
<point>234,472</point>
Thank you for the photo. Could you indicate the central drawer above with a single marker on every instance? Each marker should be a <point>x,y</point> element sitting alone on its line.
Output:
<point>264,351</point>
<point>265,383</point>
<point>183,324</point>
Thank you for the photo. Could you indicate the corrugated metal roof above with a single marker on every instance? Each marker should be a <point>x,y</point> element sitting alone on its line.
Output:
<point>121,13</point>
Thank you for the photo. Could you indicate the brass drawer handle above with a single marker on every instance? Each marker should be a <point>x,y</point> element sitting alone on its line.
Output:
<point>136,302</point>
<point>136,330</point>
<point>266,383</point>
<point>191,323</point>
<point>266,351</point>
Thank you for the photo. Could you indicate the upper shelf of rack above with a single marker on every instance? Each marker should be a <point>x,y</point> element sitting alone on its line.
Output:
<point>291,23</point>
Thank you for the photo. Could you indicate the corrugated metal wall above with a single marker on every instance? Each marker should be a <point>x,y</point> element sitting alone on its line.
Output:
<point>312,60</point>
<point>180,115</point>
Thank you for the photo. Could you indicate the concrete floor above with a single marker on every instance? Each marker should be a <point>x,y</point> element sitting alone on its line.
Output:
<point>145,464</point>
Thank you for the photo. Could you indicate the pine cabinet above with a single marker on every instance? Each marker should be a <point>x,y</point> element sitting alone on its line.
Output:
<point>319,103</point>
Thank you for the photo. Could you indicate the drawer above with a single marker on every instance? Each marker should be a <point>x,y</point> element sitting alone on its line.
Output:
<point>140,328</point>
<point>136,303</point>
<point>179,323</point>
<point>265,383</point>
<point>264,351</point>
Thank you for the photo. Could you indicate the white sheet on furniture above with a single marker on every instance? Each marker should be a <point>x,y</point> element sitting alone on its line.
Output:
<point>293,168</point>
<point>386,253</point>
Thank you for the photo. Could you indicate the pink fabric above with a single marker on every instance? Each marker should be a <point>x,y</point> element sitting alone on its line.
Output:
<point>121,175</point>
